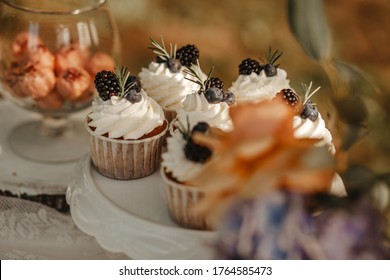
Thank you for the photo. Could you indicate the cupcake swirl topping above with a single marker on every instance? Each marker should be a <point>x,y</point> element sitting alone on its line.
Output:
<point>258,81</point>
<point>164,79</point>
<point>123,110</point>
<point>211,87</point>
<point>210,103</point>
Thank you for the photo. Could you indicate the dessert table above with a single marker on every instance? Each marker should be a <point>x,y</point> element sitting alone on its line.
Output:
<point>91,217</point>
<point>28,229</point>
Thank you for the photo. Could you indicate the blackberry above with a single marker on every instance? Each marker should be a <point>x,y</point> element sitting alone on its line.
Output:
<point>196,152</point>
<point>213,95</point>
<point>193,151</point>
<point>309,111</point>
<point>135,81</point>
<point>228,97</point>
<point>289,97</point>
<point>214,82</point>
<point>174,65</point>
<point>201,127</point>
<point>107,84</point>
<point>187,55</point>
<point>248,66</point>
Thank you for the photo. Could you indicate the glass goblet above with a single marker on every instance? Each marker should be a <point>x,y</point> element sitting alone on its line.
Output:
<point>50,52</point>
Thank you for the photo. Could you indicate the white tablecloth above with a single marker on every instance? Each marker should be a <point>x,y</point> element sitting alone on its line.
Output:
<point>30,230</point>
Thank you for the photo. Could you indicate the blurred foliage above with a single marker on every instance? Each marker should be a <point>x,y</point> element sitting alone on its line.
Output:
<point>354,95</point>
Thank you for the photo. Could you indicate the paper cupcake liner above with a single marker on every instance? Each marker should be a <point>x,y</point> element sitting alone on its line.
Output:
<point>181,200</point>
<point>126,159</point>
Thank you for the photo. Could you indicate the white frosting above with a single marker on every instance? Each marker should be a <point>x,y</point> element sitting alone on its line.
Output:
<point>175,161</point>
<point>255,88</point>
<point>196,109</point>
<point>167,88</point>
<point>305,128</point>
<point>121,118</point>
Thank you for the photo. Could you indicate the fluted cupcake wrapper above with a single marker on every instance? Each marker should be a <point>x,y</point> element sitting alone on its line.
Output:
<point>125,159</point>
<point>181,201</point>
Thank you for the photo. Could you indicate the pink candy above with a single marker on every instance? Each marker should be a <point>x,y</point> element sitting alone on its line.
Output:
<point>53,78</point>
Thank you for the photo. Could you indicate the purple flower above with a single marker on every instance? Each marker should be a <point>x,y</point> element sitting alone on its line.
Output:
<point>355,232</point>
<point>280,226</point>
<point>269,227</point>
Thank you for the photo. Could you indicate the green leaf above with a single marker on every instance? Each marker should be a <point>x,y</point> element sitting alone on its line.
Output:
<point>308,23</point>
<point>352,134</point>
<point>359,180</point>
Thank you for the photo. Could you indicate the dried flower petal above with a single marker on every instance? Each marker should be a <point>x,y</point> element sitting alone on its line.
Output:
<point>261,154</point>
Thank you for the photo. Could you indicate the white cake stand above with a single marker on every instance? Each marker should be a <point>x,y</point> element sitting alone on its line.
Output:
<point>131,217</point>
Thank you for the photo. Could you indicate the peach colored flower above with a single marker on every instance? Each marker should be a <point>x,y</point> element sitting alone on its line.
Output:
<point>261,155</point>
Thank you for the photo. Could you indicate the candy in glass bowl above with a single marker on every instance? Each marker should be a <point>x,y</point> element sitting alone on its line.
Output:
<point>50,52</point>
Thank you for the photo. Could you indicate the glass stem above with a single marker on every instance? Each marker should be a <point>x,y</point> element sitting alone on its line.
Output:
<point>54,126</point>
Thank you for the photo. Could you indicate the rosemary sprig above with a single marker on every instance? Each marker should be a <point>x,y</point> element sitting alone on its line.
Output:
<point>161,50</point>
<point>122,76</point>
<point>307,89</point>
<point>273,57</point>
<point>197,76</point>
<point>186,133</point>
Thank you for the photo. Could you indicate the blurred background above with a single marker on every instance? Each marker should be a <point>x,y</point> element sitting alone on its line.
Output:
<point>226,32</point>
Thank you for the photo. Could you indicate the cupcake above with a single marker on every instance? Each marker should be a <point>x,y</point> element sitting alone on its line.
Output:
<point>203,111</point>
<point>258,82</point>
<point>127,128</point>
<point>209,104</point>
<point>164,79</point>
<point>183,161</point>
<point>307,122</point>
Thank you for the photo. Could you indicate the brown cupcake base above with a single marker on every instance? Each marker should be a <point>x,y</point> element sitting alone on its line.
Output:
<point>181,201</point>
<point>126,159</point>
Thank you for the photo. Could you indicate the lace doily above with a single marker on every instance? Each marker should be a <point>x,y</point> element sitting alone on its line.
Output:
<point>30,230</point>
